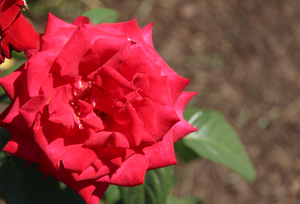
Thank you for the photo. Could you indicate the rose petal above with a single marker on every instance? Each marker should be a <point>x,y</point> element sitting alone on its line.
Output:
<point>140,81</point>
<point>19,36</point>
<point>77,46</point>
<point>147,34</point>
<point>144,108</point>
<point>99,139</point>
<point>102,100</point>
<point>57,38</point>
<point>9,9</point>
<point>60,110</point>
<point>158,92</point>
<point>95,57</point>
<point>137,61</point>
<point>117,77</point>
<point>90,192</point>
<point>38,68</point>
<point>54,23</point>
<point>121,140</point>
<point>81,20</point>
<point>176,84</point>
<point>137,164</point>
<point>129,124</point>
<point>161,154</point>
<point>23,146</point>
<point>12,88</point>
<point>131,29</point>
<point>34,105</point>
<point>182,128</point>
<point>91,174</point>
<point>58,148</point>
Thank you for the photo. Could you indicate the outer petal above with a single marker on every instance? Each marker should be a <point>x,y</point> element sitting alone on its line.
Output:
<point>147,34</point>
<point>131,29</point>
<point>98,192</point>
<point>8,82</point>
<point>38,68</point>
<point>22,145</point>
<point>19,36</point>
<point>54,23</point>
<point>60,149</point>
<point>177,84</point>
<point>91,192</point>
<point>182,128</point>
<point>161,154</point>
<point>159,93</point>
<point>57,38</point>
<point>81,20</point>
<point>9,10</point>
<point>137,164</point>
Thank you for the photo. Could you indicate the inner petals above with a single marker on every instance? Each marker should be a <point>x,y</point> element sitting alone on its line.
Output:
<point>140,81</point>
<point>84,107</point>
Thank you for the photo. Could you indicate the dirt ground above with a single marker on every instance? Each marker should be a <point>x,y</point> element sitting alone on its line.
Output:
<point>243,59</point>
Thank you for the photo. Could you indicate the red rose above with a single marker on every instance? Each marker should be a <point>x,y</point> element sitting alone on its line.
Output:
<point>96,105</point>
<point>15,31</point>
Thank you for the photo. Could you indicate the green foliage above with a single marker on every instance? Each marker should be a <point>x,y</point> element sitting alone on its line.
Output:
<point>26,185</point>
<point>184,152</point>
<point>155,190</point>
<point>112,195</point>
<point>101,15</point>
<point>216,140</point>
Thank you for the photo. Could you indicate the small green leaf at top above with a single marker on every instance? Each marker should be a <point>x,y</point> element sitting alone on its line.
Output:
<point>216,140</point>
<point>155,189</point>
<point>101,15</point>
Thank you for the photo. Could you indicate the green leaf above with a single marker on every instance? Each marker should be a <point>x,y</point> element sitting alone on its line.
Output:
<point>189,112</point>
<point>112,195</point>
<point>184,152</point>
<point>71,197</point>
<point>155,189</point>
<point>3,97</point>
<point>217,141</point>
<point>26,185</point>
<point>18,55</point>
<point>101,15</point>
<point>173,200</point>
<point>181,149</point>
<point>4,137</point>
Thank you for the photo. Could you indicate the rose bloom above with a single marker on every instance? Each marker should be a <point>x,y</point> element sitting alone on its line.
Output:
<point>95,105</point>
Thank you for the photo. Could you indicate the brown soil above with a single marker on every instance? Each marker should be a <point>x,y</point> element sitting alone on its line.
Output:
<point>243,59</point>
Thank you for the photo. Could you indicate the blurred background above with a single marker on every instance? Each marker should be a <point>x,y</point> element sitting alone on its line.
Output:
<point>243,58</point>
